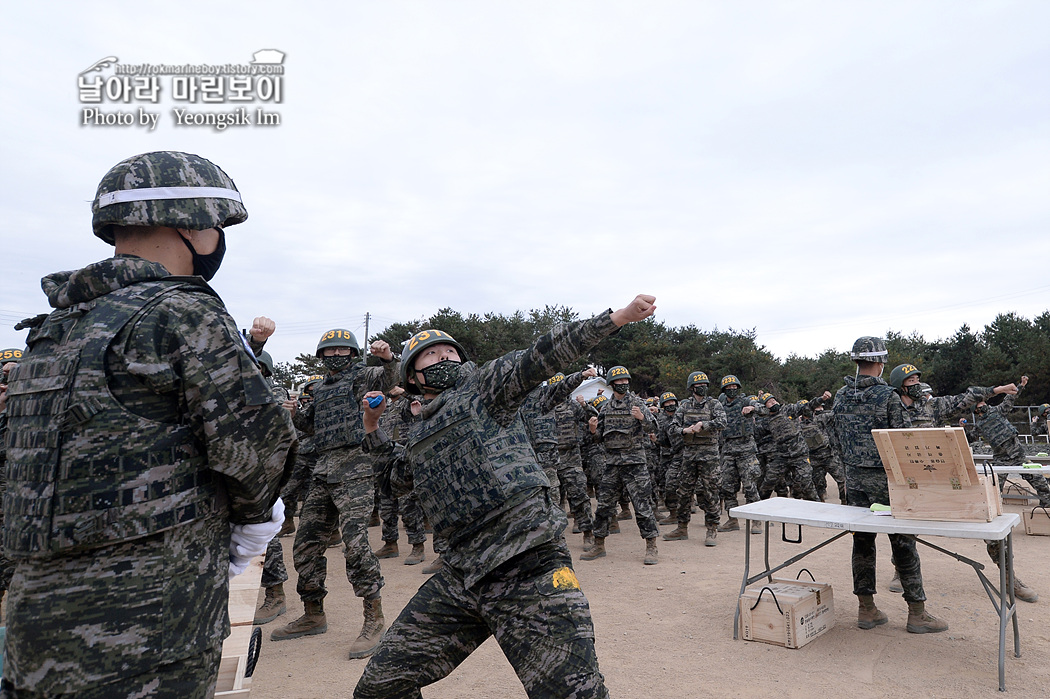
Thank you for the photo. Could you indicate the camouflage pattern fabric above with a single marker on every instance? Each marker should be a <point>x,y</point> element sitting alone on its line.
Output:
<point>532,604</point>
<point>997,431</point>
<point>161,598</point>
<point>274,570</point>
<point>626,468</point>
<point>740,470</point>
<point>699,470</point>
<point>346,505</point>
<point>670,462</point>
<point>940,410</point>
<point>574,484</point>
<point>634,478</point>
<point>791,465</point>
<point>394,421</point>
<point>507,568</point>
<point>823,457</point>
<point>7,566</point>
<point>863,404</point>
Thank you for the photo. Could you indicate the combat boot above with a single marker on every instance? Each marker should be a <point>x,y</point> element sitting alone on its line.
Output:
<point>433,567</point>
<point>1023,592</point>
<point>731,525</point>
<point>679,534</point>
<point>712,534</point>
<point>311,623</point>
<point>588,540</point>
<point>670,518</point>
<point>596,551</point>
<point>371,631</point>
<point>374,520</point>
<point>895,584</point>
<point>625,512</point>
<point>868,615</point>
<point>388,550</point>
<point>651,554</point>
<point>921,621</point>
<point>614,526</point>
<point>756,527</point>
<point>416,556</point>
<point>288,528</point>
<point>272,607</point>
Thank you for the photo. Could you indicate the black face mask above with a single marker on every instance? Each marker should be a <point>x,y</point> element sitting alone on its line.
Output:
<point>670,409</point>
<point>337,363</point>
<point>207,265</point>
<point>700,391</point>
<point>981,409</point>
<point>732,393</point>
<point>775,409</point>
<point>441,376</point>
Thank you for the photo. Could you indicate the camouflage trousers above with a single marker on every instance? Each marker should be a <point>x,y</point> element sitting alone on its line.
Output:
<point>533,606</point>
<point>784,472</point>
<point>294,490</point>
<point>823,462</point>
<point>574,485</point>
<point>670,463</point>
<point>593,464</point>
<point>865,486</point>
<point>699,474</point>
<point>635,478</point>
<point>547,457</point>
<point>411,513</point>
<point>740,470</point>
<point>346,505</point>
<point>274,570</point>
<point>190,678</point>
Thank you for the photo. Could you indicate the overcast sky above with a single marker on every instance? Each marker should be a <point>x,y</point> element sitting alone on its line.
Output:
<point>815,171</point>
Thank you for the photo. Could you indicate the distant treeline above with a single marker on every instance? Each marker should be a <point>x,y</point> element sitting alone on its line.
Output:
<point>660,358</point>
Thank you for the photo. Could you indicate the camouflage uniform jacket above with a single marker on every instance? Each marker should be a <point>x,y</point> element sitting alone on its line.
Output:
<point>865,403</point>
<point>996,429</point>
<point>537,411</point>
<point>572,420</point>
<point>663,436</point>
<point>121,609</point>
<point>938,411</point>
<point>622,434</point>
<point>471,436</point>
<point>785,427</point>
<point>1039,427</point>
<point>691,411</point>
<point>738,425</point>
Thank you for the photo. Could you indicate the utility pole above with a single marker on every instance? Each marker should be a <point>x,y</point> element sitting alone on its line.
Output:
<point>367,316</point>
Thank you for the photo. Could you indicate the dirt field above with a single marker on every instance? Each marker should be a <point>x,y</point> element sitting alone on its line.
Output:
<point>667,630</point>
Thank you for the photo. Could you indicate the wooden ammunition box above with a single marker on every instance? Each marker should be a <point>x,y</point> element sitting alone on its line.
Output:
<point>244,597</point>
<point>788,613</point>
<point>932,476</point>
<point>1037,521</point>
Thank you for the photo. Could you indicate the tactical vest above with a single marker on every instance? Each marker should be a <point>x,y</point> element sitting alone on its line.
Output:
<point>697,411</point>
<point>996,429</point>
<point>856,410</point>
<point>619,426</point>
<point>84,471</point>
<point>920,414</point>
<point>567,426</point>
<point>337,409</point>
<point>739,426</point>
<point>787,434</point>
<point>542,428</point>
<point>816,440</point>
<point>465,464</point>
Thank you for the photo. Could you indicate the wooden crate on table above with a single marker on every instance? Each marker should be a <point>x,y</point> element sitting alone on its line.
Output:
<point>932,476</point>
<point>1037,522</point>
<point>244,597</point>
<point>786,612</point>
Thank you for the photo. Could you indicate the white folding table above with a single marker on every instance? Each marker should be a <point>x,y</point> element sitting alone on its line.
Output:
<point>848,519</point>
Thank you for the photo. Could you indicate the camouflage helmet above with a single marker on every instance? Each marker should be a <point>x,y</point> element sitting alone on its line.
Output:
<point>266,361</point>
<point>616,373</point>
<point>598,400</point>
<point>902,372</point>
<point>10,355</point>
<point>416,344</point>
<point>695,378</point>
<point>869,349</point>
<point>667,396</point>
<point>310,384</point>
<point>729,380</point>
<point>165,188</point>
<point>339,337</point>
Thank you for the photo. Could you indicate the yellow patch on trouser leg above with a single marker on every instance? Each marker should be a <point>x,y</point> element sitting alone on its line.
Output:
<point>564,577</point>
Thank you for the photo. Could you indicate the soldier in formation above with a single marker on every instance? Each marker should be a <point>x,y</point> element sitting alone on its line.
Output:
<point>739,456</point>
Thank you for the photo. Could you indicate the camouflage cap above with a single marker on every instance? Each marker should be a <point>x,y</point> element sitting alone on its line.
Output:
<point>165,188</point>
<point>869,349</point>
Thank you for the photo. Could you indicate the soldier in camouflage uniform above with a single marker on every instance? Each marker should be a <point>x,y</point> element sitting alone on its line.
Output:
<point>926,411</point>
<point>1040,421</point>
<point>622,424</point>
<point>145,451</point>
<point>823,454</point>
<point>592,451</point>
<point>8,360</point>
<point>670,457</point>
<point>865,403</point>
<point>508,571</point>
<point>740,467</point>
<point>411,512</point>
<point>695,429</point>
<point>342,492</point>
<point>571,418</point>
<point>792,463</point>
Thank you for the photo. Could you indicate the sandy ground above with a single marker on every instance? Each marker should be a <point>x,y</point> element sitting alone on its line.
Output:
<point>667,630</point>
